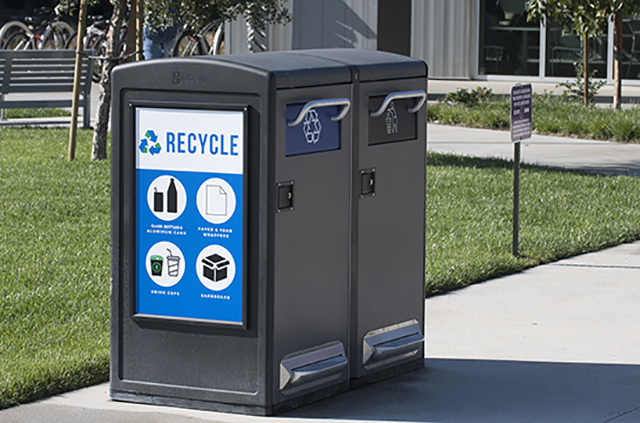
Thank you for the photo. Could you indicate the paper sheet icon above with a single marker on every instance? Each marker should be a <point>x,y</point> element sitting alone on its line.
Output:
<point>216,200</point>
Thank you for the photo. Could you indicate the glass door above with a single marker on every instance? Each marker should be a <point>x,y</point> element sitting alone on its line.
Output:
<point>509,45</point>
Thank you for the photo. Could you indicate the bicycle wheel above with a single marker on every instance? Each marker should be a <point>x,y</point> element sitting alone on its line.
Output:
<point>72,42</point>
<point>188,44</point>
<point>18,41</point>
<point>56,36</point>
<point>9,29</point>
<point>217,45</point>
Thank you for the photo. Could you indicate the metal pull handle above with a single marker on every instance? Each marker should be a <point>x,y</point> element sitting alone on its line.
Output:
<point>320,370</point>
<point>397,347</point>
<point>419,94</point>
<point>321,364</point>
<point>390,344</point>
<point>323,103</point>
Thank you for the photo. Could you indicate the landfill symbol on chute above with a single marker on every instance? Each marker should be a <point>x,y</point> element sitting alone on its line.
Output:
<point>392,119</point>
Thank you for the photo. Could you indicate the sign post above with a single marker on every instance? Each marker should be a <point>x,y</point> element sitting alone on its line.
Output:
<point>521,128</point>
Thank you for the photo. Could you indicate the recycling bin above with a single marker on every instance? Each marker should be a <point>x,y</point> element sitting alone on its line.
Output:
<point>268,217</point>
<point>388,212</point>
<point>231,231</point>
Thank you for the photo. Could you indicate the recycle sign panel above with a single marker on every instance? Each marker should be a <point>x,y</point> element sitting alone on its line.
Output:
<point>316,133</point>
<point>189,206</point>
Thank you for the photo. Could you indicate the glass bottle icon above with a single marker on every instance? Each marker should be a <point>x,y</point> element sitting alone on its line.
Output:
<point>172,198</point>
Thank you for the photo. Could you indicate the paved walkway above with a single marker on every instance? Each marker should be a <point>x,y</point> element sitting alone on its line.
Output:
<point>556,343</point>
<point>438,88</point>
<point>570,153</point>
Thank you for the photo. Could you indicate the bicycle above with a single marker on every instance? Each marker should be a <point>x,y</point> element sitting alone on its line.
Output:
<point>209,40</point>
<point>46,31</point>
<point>96,40</point>
<point>97,29</point>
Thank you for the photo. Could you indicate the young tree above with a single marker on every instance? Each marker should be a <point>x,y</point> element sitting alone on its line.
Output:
<point>587,18</point>
<point>197,13</point>
<point>162,14</point>
<point>99,149</point>
<point>617,9</point>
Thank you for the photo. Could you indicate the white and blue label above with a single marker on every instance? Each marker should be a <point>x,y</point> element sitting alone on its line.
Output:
<point>316,133</point>
<point>189,214</point>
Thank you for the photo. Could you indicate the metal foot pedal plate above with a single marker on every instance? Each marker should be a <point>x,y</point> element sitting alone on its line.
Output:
<point>312,367</point>
<point>393,343</point>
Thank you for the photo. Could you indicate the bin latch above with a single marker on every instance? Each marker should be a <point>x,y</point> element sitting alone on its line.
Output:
<point>367,182</point>
<point>285,196</point>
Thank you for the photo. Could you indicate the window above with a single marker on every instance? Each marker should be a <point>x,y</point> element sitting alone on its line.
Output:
<point>564,49</point>
<point>509,45</point>
<point>630,47</point>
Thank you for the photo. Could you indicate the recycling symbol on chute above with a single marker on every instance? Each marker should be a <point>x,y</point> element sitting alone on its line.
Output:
<point>312,127</point>
<point>150,144</point>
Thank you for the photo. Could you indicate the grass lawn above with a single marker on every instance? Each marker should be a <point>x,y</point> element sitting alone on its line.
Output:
<point>35,113</point>
<point>562,214</point>
<point>54,245</point>
<point>54,265</point>
<point>551,115</point>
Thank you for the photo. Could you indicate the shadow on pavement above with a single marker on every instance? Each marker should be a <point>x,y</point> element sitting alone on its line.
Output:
<point>454,390</point>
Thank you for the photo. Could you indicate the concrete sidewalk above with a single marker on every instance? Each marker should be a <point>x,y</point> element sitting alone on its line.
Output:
<point>569,153</point>
<point>556,343</point>
<point>439,87</point>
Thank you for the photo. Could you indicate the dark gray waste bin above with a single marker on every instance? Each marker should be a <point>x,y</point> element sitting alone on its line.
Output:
<point>388,241</point>
<point>230,231</point>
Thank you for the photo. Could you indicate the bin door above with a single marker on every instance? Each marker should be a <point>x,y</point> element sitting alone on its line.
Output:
<point>389,223</point>
<point>311,197</point>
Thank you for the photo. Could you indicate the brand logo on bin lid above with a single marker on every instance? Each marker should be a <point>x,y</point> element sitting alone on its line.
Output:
<point>149,144</point>
<point>178,78</point>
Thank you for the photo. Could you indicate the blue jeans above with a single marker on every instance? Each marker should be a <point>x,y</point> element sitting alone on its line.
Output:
<point>158,45</point>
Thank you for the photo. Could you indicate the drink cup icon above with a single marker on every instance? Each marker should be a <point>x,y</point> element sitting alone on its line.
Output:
<point>173,264</point>
<point>156,265</point>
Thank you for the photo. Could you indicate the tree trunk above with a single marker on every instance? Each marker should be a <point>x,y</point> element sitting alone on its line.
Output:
<point>99,151</point>
<point>617,63</point>
<point>585,62</point>
<point>139,29</point>
<point>132,30</point>
<point>73,128</point>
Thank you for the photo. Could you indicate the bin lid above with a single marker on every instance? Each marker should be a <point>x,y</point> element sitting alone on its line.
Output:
<point>292,70</point>
<point>373,65</point>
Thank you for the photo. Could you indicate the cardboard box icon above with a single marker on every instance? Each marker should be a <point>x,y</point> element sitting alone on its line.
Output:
<point>215,267</point>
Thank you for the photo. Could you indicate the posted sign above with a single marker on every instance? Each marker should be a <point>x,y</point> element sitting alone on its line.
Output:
<point>189,214</point>
<point>521,116</point>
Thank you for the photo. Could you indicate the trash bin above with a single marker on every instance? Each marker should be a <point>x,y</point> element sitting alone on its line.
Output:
<point>388,241</point>
<point>230,231</point>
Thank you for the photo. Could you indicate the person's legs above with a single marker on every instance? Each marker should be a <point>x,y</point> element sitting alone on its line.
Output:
<point>168,38</point>
<point>151,49</point>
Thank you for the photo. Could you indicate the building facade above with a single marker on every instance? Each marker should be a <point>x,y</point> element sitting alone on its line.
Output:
<point>459,39</point>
